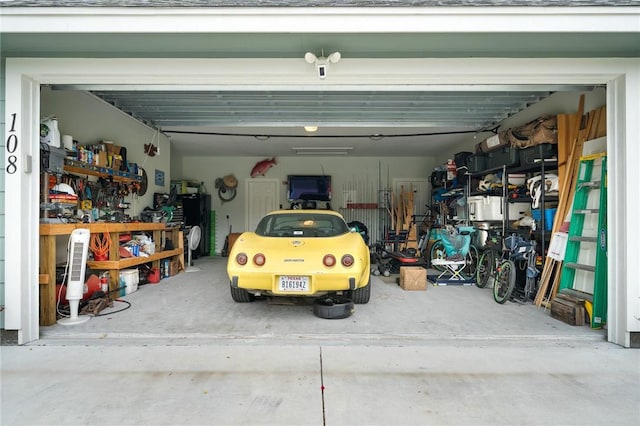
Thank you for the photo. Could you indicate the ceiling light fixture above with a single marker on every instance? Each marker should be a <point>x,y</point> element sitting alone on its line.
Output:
<point>310,129</point>
<point>322,63</point>
<point>322,150</point>
<point>322,153</point>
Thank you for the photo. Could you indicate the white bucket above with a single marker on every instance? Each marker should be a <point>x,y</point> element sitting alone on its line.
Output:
<point>130,279</point>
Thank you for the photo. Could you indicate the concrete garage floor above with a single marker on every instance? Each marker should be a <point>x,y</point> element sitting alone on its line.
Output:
<point>185,353</point>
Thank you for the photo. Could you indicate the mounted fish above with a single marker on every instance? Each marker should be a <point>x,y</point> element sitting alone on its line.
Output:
<point>261,167</point>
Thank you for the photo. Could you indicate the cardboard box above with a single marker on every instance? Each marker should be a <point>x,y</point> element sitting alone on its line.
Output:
<point>174,267</point>
<point>413,278</point>
<point>115,163</point>
<point>493,142</point>
<point>101,159</point>
<point>112,149</point>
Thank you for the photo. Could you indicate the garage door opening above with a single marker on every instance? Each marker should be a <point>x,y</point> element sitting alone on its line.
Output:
<point>22,103</point>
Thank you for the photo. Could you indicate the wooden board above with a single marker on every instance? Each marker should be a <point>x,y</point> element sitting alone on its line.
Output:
<point>181,247</point>
<point>602,123</point>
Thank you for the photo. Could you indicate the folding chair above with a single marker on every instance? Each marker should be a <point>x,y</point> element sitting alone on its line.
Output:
<point>456,241</point>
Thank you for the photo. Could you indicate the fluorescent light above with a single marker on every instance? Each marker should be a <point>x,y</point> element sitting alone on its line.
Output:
<point>322,153</point>
<point>322,150</point>
<point>310,129</point>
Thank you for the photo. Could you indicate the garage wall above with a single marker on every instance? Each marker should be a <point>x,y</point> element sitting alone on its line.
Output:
<point>91,120</point>
<point>176,162</point>
<point>346,173</point>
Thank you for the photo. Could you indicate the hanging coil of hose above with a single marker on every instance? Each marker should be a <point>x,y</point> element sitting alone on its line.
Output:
<point>99,244</point>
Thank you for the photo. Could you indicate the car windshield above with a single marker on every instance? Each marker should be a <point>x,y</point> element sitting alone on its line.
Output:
<point>301,225</point>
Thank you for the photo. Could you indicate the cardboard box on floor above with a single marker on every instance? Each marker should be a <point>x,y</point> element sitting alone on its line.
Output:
<point>413,278</point>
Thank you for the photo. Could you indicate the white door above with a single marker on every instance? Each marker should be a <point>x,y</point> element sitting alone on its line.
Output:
<point>262,197</point>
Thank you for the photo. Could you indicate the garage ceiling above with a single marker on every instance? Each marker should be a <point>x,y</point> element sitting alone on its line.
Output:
<point>368,123</point>
<point>368,109</point>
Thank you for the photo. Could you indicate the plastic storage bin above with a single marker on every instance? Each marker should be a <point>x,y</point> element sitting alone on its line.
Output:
<point>503,156</point>
<point>535,154</point>
<point>476,163</point>
<point>549,217</point>
<point>490,208</point>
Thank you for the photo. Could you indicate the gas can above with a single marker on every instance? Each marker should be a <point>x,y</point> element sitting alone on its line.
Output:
<point>154,275</point>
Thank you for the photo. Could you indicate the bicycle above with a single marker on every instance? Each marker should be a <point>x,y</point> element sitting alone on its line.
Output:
<point>524,253</point>
<point>489,259</point>
<point>487,266</point>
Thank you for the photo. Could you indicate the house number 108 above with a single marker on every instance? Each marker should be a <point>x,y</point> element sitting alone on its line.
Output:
<point>12,145</point>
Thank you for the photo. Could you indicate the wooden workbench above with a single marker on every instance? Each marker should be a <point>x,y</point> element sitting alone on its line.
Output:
<point>49,232</point>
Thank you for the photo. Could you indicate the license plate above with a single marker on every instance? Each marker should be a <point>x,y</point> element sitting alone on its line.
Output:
<point>293,283</point>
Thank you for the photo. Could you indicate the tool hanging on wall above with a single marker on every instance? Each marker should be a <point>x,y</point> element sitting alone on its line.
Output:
<point>227,187</point>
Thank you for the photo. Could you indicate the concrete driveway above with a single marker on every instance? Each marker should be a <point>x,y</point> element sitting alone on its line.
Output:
<point>184,353</point>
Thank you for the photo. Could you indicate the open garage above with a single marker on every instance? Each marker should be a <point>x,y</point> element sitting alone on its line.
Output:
<point>213,107</point>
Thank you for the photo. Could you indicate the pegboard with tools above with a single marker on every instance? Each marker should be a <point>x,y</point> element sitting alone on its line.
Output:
<point>83,193</point>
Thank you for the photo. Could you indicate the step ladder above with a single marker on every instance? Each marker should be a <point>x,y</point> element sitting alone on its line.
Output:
<point>576,238</point>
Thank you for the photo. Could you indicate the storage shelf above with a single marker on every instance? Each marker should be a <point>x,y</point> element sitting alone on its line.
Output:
<point>78,167</point>
<point>129,262</point>
<point>549,164</point>
<point>95,227</point>
<point>542,166</point>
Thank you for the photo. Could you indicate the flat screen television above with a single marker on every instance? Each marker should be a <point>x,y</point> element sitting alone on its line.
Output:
<point>309,187</point>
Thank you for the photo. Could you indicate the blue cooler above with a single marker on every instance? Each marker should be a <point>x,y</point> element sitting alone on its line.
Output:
<point>549,216</point>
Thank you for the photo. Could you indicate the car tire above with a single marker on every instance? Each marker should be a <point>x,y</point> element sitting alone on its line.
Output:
<point>240,295</point>
<point>361,295</point>
<point>333,307</point>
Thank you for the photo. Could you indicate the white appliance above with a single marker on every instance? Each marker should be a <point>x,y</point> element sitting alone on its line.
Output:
<point>193,240</point>
<point>77,263</point>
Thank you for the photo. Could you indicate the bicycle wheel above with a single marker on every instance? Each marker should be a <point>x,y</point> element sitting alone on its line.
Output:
<point>485,268</point>
<point>437,252</point>
<point>472,259</point>
<point>505,281</point>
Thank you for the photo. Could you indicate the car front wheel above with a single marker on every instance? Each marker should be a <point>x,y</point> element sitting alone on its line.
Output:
<point>241,295</point>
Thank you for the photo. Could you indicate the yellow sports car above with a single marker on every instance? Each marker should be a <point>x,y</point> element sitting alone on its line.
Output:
<point>300,253</point>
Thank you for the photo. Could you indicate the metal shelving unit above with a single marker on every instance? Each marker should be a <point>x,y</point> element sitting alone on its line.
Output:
<point>543,166</point>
